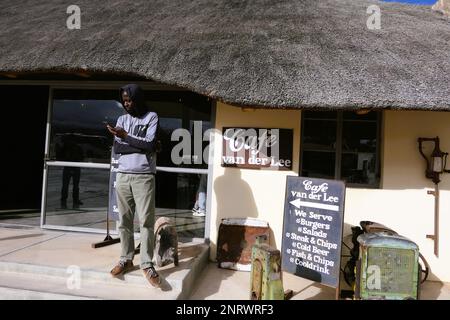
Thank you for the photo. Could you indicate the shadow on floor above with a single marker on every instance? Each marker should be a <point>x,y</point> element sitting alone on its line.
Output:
<point>23,236</point>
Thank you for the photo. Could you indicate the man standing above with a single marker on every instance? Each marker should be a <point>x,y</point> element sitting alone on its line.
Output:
<point>135,141</point>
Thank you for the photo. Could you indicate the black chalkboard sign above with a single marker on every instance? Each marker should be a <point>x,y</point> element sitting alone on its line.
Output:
<point>113,210</point>
<point>312,229</point>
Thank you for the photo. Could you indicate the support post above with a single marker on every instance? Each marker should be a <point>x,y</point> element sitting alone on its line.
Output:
<point>435,236</point>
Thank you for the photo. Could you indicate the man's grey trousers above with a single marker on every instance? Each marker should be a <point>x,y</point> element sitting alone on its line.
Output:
<point>136,192</point>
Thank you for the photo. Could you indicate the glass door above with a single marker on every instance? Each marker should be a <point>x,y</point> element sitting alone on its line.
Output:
<point>77,167</point>
<point>78,161</point>
<point>182,174</point>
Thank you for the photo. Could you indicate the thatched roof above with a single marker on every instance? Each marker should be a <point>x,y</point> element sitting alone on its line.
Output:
<point>442,6</point>
<point>269,53</point>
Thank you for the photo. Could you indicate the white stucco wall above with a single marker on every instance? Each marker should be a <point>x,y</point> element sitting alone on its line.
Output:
<point>402,202</point>
<point>242,193</point>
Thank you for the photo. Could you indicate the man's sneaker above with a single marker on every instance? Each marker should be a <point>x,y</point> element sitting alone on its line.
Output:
<point>122,267</point>
<point>199,213</point>
<point>152,276</point>
<point>195,210</point>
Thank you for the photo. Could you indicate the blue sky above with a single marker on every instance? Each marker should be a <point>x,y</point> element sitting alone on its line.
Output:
<point>423,2</point>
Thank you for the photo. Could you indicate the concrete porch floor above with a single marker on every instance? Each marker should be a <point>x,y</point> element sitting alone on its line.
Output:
<point>42,264</point>
<point>37,264</point>
<point>223,284</point>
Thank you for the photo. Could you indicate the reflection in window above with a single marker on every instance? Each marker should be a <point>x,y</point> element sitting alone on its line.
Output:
<point>180,110</point>
<point>77,197</point>
<point>79,134</point>
<point>359,136</point>
<point>319,135</point>
<point>83,123</point>
<point>176,196</point>
<point>318,164</point>
<point>341,146</point>
<point>79,129</point>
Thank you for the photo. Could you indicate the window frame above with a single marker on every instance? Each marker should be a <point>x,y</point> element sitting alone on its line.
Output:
<point>338,152</point>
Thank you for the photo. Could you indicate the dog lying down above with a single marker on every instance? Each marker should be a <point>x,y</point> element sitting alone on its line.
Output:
<point>166,242</point>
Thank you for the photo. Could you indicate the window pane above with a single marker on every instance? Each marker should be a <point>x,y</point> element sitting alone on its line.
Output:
<point>358,154</point>
<point>180,110</point>
<point>318,164</point>
<point>359,136</point>
<point>331,115</point>
<point>86,94</point>
<point>79,132</point>
<point>176,196</point>
<point>82,122</point>
<point>170,118</point>
<point>77,197</point>
<point>373,116</point>
<point>319,135</point>
<point>359,147</point>
<point>198,156</point>
<point>359,168</point>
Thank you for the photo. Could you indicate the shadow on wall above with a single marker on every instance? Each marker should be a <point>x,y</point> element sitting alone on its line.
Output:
<point>234,200</point>
<point>234,197</point>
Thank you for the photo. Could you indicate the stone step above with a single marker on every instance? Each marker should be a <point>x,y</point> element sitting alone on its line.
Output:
<point>22,294</point>
<point>134,277</point>
<point>15,285</point>
<point>27,280</point>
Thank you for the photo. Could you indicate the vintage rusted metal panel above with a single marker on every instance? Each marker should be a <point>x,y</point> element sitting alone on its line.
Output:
<point>266,276</point>
<point>389,267</point>
<point>236,238</point>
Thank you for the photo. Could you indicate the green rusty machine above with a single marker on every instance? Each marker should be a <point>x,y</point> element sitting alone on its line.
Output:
<point>266,276</point>
<point>387,265</point>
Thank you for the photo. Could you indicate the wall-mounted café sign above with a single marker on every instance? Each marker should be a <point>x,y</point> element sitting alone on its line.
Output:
<point>312,229</point>
<point>257,148</point>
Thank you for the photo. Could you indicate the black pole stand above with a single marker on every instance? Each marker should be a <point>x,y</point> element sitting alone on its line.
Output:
<point>108,240</point>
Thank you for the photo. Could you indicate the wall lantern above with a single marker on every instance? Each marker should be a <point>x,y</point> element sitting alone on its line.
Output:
<point>436,164</point>
<point>437,161</point>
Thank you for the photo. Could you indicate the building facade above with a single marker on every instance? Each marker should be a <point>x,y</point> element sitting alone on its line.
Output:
<point>357,82</point>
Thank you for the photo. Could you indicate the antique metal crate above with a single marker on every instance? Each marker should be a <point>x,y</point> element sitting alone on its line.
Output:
<point>266,275</point>
<point>388,267</point>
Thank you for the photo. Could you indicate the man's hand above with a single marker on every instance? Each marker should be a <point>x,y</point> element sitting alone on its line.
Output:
<point>117,131</point>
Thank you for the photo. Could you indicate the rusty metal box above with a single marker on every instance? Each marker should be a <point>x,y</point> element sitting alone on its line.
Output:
<point>266,281</point>
<point>236,238</point>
